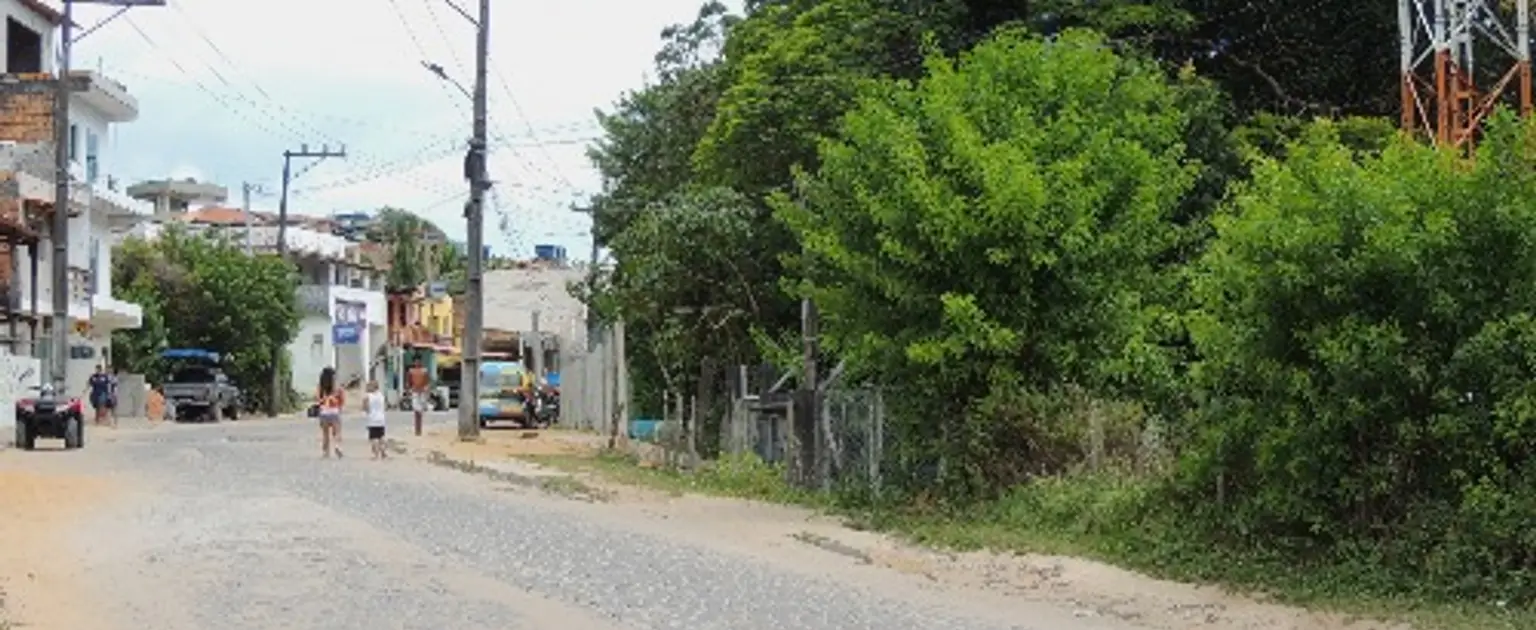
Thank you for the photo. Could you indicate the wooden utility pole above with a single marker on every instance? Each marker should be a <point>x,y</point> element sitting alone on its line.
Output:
<point>63,87</point>
<point>282,251</point>
<point>246,189</point>
<point>807,414</point>
<point>475,170</point>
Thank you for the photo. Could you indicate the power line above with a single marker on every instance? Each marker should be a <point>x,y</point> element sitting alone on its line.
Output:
<point>294,133</point>
<point>518,107</point>
<point>216,96</point>
<point>441,32</point>
<point>405,23</point>
<point>209,40</point>
<point>420,158</point>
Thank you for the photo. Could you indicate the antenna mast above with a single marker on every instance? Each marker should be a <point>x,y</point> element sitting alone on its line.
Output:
<point>1438,45</point>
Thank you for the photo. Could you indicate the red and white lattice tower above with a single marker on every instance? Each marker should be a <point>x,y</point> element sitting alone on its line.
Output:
<point>1440,41</point>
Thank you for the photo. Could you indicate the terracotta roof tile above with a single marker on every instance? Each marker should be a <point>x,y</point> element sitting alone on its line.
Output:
<point>215,215</point>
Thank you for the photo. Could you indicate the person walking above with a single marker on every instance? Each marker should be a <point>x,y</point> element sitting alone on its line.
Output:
<point>416,380</point>
<point>330,398</point>
<point>101,388</point>
<point>374,406</point>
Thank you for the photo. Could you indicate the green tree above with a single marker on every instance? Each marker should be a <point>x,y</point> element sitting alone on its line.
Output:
<point>1367,328</point>
<point>649,136</point>
<point>696,304</point>
<point>201,292</point>
<point>403,232</point>
<point>1000,223</point>
<point>451,266</point>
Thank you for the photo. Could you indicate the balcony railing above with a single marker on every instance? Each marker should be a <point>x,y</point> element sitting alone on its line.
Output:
<point>315,299</point>
<point>419,336</point>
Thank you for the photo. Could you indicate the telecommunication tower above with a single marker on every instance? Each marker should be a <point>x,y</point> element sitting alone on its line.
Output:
<point>1440,43</point>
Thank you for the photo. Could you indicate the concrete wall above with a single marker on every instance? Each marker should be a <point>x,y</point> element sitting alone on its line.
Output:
<point>17,374</point>
<point>132,396</point>
<point>512,295</point>
<point>312,351</point>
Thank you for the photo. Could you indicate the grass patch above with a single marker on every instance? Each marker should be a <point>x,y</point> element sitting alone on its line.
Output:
<point>1109,518</point>
<point>739,477</point>
<point>1124,523</point>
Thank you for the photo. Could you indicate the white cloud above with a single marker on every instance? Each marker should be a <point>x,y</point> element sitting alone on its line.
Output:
<point>279,73</point>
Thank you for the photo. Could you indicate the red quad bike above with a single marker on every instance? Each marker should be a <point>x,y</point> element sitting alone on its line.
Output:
<point>48,416</point>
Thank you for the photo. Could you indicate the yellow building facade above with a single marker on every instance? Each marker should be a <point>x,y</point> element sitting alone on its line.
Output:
<point>437,317</point>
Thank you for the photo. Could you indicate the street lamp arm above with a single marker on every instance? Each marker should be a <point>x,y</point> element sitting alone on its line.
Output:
<point>465,14</point>
<point>437,69</point>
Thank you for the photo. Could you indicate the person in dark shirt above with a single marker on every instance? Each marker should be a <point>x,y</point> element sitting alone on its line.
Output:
<point>103,396</point>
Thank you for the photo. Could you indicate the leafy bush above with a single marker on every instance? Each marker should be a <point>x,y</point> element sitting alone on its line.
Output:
<point>1367,326</point>
<point>999,226</point>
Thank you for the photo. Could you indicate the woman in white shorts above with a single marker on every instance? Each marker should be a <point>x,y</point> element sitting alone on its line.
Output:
<point>330,399</point>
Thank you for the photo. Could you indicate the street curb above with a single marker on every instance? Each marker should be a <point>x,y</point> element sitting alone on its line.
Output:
<point>561,484</point>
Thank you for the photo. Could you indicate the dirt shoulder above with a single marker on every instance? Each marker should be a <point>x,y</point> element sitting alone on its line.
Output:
<point>1085,587</point>
<point>39,576</point>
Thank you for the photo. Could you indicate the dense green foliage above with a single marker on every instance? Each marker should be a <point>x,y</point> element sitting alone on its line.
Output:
<point>1159,300</point>
<point>200,292</point>
<point>1057,226</point>
<point>1367,333</point>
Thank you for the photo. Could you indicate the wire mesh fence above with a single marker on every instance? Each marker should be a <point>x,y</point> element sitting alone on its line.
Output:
<point>854,421</point>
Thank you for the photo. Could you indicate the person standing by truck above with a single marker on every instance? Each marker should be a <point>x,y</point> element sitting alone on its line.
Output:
<point>417,382</point>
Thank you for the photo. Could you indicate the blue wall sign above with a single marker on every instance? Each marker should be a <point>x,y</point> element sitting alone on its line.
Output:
<point>346,334</point>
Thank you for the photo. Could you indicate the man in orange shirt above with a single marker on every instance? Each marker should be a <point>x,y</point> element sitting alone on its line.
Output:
<point>416,382</point>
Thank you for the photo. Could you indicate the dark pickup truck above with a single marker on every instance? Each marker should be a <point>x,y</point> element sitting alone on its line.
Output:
<point>198,389</point>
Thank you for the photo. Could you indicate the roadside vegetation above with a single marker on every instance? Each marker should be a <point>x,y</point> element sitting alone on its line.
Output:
<point>205,293</point>
<point>1168,309</point>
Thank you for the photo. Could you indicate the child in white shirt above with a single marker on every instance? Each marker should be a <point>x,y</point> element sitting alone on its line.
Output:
<point>373,405</point>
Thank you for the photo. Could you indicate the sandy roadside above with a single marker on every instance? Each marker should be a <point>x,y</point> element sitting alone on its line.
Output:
<point>40,577</point>
<point>788,533</point>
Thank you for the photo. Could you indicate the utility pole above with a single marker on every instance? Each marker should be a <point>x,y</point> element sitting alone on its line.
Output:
<point>61,203</point>
<point>282,248</point>
<point>246,188</point>
<point>479,181</point>
<point>537,349</point>
<point>808,413</point>
<point>592,323</point>
<point>64,86</point>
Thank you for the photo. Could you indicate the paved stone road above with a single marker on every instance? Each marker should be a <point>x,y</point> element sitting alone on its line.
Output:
<point>243,526</point>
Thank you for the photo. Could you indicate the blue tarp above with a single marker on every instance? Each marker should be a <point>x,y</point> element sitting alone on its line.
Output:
<point>190,353</point>
<point>643,429</point>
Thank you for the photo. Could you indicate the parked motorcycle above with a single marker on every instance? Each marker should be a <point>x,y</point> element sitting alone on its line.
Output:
<point>549,406</point>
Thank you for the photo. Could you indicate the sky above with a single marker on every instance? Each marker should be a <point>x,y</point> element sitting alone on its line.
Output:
<point>224,87</point>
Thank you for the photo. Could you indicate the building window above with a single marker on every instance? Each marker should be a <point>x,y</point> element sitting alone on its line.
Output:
<point>74,142</point>
<point>91,287</point>
<point>23,48</point>
<point>92,149</point>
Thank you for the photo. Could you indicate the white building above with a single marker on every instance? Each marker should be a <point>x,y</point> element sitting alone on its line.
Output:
<point>27,157</point>
<point>341,297</point>
<point>513,295</point>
